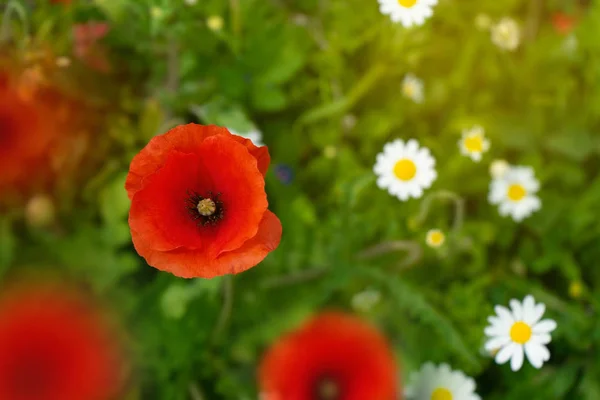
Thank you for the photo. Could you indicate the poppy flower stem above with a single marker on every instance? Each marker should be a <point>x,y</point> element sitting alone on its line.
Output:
<point>226,308</point>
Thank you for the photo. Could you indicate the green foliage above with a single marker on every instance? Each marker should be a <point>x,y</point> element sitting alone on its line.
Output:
<point>322,81</point>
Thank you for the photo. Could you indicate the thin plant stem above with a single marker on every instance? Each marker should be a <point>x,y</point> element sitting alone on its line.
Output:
<point>459,207</point>
<point>226,308</point>
<point>195,392</point>
<point>15,6</point>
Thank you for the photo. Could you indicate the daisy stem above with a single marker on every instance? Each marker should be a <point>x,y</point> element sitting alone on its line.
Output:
<point>413,251</point>
<point>226,308</point>
<point>459,207</point>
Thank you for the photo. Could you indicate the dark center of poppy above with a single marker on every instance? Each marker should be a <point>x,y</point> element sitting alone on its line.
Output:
<point>205,210</point>
<point>327,389</point>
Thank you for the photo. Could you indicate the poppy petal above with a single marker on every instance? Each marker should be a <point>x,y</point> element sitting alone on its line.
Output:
<point>195,263</point>
<point>187,139</point>
<point>236,177</point>
<point>159,211</point>
<point>184,138</point>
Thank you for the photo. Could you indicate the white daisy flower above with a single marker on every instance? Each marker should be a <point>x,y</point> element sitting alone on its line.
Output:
<point>506,34</point>
<point>514,192</point>
<point>412,88</point>
<point>435,238</point>
<point>498,168</point>
<point>254,135</point>
<point>408,12</point>
<point>405,169</point>
<point>440,383</point>
<point>473,143</point>
<point>520,332</point>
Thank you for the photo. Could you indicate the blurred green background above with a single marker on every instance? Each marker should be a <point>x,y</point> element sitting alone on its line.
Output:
<point>322,81</point>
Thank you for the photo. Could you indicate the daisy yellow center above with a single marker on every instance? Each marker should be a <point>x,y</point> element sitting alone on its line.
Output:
<point>407,3</point>
<point>436,238</point>
<point>520,332</point>
<point>441,394</point>
<point>405,169</point>
<point>516,192</point>
<point>474,144</point>
<point>206,207</point>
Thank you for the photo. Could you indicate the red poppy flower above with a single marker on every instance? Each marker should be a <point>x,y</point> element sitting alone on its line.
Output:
<point>563,23</point>
<point>333,357</point>
<point>28,127</point>
<point>54,346</point>
<point>198,203</point>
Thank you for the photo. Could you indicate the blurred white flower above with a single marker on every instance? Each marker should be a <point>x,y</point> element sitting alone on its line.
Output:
<point>405,169</point>
<point>498,168</point>
<point>191,2</point>
<point>473,143</point>
<point>412,88</point>
<point>435,238</point>
<point>483,22</point>
<point>514,192</point>
<point>214,23</point>
<point>365,300</point>
<point>254,135</point>
<point>506,34</point>
<point>570,44</point>
<point>408,12</point>
<point>518,332</point>
<point>440,383</point>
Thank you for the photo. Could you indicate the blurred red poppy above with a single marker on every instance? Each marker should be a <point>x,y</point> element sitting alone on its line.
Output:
<point>55,346</point>
<point>87,47</point>
<point>333,357</point>
<point>198,203</point>
<point>29,123</point>
<point>563,23</point>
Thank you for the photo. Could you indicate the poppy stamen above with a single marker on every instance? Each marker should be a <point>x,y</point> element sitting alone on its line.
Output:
<point>327,389</point>
<point>206,210</point>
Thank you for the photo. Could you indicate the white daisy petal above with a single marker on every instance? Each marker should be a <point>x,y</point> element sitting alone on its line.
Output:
<point>541,338</point>
<point>536,354</point>
<point>516,361</point>
<point>544,326</point>
<point>504,314</point>
<point>497,342</point>
<point>506,353</point>
<point>517,310</point>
